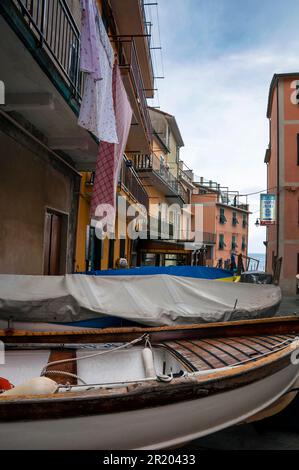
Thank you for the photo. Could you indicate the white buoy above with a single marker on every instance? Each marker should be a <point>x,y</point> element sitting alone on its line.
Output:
<point>148,362</point>
<point>35,386</point>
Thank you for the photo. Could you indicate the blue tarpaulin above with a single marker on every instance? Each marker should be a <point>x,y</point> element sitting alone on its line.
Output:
<point>200,272</point>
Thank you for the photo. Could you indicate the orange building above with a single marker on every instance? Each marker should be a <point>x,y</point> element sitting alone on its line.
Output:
<point>225,222</point>
<point>282,159</point>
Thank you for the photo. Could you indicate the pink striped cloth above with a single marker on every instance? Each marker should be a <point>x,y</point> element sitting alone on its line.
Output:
<point>110,155</point>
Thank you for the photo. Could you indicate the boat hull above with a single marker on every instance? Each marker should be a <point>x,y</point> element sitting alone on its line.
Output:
<point>150,428</point>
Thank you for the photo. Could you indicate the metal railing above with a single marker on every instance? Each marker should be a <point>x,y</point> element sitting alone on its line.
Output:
<point>129,180</point>
<point>53,24</point>
<point>128,59</point>
<point>184,176</point>
<point>147,27</point>
<point>183,193</point>
<point>185,172</point>
<point>158,166</point>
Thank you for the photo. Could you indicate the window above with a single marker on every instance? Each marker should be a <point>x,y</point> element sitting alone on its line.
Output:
<point>222,244</point>
<point>222,216</point>
<point>235,220</point>
<point>244,221</point>
<point>234,242</point>
<point>244,245</point>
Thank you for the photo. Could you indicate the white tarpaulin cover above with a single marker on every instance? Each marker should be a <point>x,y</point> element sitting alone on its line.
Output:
<point>150,300</point>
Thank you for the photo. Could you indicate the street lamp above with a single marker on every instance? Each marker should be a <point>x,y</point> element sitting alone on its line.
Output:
<point>257,223</point>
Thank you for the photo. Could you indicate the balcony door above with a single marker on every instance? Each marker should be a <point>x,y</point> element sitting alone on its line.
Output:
<point>54,254</point>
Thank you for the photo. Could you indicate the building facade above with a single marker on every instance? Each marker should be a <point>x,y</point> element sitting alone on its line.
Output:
<point>127,27</point>
<point>225,222</point>
<point>282,159</point>
<point>47,161</point>
<point>169,187</point>
<point>42,150</point>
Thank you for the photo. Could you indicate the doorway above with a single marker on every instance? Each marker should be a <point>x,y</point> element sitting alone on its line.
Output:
<point>55,236</point>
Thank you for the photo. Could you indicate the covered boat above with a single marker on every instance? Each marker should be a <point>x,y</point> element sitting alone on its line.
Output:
<point>148,300</point>
<point>143,388</point>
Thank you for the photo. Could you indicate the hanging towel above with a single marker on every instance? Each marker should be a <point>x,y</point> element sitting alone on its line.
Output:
<point>97,111</point>
<point>90,51</point>
<point>110,155</point>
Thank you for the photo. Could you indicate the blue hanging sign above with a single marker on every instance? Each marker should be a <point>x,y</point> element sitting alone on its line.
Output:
<point>268,209</point>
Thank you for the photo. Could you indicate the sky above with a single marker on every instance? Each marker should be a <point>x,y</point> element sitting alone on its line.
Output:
<point>219,57</point>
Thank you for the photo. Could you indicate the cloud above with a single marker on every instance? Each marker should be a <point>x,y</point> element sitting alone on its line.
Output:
<point>220,105</point>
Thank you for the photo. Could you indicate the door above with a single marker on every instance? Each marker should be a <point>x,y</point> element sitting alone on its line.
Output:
<point>52,244</point>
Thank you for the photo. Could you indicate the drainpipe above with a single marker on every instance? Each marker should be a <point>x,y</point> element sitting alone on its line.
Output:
<point>277,184</point>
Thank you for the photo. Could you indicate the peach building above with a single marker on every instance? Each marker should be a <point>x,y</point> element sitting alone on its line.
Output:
<point>225,222</point>
<point>282,159</point>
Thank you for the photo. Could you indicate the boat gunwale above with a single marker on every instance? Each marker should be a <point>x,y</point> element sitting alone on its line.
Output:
<point>205,328</point>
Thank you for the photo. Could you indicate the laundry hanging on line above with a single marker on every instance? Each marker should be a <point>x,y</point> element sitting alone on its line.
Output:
<point>97,113</point>
<point>110,155</point>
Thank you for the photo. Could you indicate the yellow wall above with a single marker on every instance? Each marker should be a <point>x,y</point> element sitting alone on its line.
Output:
<point>83,221</point>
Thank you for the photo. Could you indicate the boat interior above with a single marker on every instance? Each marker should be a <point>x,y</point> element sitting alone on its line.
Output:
<point>173,353</point>
<point>84,366</point>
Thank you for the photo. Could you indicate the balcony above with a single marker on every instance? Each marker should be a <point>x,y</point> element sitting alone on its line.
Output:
<point>131,21</point>
<point>186,174</point>
<point>56,31</point>
<point>39,54</point>
<point>154,169</point>
<point>184,193</point>
<point>130,183</point>
<point>140,136</point>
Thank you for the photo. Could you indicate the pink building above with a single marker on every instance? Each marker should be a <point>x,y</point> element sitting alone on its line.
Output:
<point>282,159</point>
<point>225,221</point>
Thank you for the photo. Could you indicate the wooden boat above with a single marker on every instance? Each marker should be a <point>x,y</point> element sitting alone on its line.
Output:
<point>203,378</point>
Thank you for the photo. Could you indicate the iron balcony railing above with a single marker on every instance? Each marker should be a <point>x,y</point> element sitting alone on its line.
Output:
<point>54,26</point>
<point>184,176</point>
<point>183,193</point>
<point>148,32</point>
<point>128,59</point>
<point>185,173</point>
<point>158,166</point>
<point>129,180</point>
